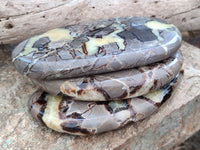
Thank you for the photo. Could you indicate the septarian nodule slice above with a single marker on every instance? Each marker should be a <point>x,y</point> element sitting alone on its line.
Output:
<point>96,47</point>
<point>82,118</point>
<point>116,85</point>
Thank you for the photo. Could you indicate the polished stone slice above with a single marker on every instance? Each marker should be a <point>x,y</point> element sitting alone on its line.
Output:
<point>96,47</point>
<point>82,118</point>
<point>116,85</point>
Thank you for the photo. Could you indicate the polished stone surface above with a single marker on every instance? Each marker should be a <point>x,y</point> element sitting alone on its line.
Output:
<point>116,85</point>
<point>83,118</point>
<point>96,47</point>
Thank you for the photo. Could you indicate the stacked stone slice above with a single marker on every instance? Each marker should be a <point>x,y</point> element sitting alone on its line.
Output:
<point>101,75</point>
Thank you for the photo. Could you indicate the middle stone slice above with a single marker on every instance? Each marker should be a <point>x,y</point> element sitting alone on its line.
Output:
<point>116,85</point>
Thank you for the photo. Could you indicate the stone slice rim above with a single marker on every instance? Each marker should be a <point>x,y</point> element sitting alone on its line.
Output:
<point>116,85</point>
<point>94,65</point>
<point>112,115</point>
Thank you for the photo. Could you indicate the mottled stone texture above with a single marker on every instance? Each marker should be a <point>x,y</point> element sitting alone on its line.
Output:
<point>173,123</point>
<point>96,47</point>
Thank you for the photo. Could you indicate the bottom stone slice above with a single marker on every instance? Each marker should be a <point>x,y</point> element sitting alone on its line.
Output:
<point>82,118</point>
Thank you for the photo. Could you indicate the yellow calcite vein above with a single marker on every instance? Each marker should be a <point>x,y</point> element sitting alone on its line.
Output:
<point>51,113</point>
<point>164,47</point>
<point>93,43</point>
<point>155,26</point>
<point>156,96</point>
<point>117,104</point>
<point>54,35</point>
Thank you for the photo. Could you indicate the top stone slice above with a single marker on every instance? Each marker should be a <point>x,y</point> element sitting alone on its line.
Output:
<point>96,47</point>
